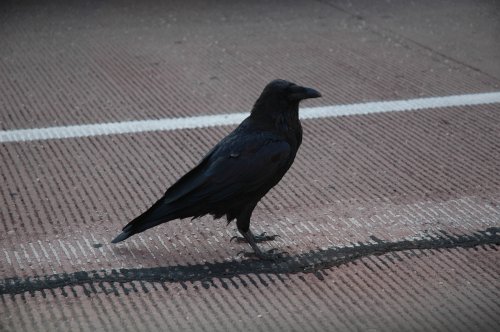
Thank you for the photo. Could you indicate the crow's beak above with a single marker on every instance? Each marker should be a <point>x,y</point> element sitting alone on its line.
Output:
<point>311,93</point>
<point>299,92</point>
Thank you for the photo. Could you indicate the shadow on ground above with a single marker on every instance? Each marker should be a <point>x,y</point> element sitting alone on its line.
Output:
<point>310,262</point>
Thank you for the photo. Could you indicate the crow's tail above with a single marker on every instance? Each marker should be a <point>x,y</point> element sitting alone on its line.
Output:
<point>122,236</point>
<point>155,215</point>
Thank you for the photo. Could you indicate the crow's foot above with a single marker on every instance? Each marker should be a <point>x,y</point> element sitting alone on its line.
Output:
<point>251,239</point>
<point>257,238</point>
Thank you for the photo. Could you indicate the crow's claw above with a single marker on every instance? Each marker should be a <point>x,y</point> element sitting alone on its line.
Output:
<point>238,239</point>
<point>263,237</point>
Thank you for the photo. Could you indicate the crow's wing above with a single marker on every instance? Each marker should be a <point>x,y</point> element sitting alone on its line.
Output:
<point>239,169</point>
<point>237,166</point>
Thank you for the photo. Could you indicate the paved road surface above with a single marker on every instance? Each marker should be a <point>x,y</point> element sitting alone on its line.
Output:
<point>391,220</point>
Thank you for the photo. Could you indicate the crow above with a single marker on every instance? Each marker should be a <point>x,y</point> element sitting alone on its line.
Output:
<point>232,177</point>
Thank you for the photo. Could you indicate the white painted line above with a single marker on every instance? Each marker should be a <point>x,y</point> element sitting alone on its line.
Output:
<point>401,105</point>
<point>20,135</point>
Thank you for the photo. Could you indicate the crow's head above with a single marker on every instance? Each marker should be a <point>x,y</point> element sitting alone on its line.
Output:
<point>280,95</point>
<point>290,91</point>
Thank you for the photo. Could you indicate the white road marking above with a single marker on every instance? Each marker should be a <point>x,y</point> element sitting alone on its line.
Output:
<point>20,135</point>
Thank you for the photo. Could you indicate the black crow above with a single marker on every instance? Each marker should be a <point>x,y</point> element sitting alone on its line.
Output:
<point>232,178</point>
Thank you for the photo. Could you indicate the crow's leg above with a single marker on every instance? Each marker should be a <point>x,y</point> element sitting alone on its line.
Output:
<point>257,238</point>
<point>243,224</point>
<point>250,238</point>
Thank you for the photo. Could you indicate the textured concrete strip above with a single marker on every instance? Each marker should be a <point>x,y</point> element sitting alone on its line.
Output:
<point>314,260</point>
<point>235,118</point>
<point>162,256</point>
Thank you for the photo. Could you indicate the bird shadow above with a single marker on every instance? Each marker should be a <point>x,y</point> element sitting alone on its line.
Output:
<point>314,261</point>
